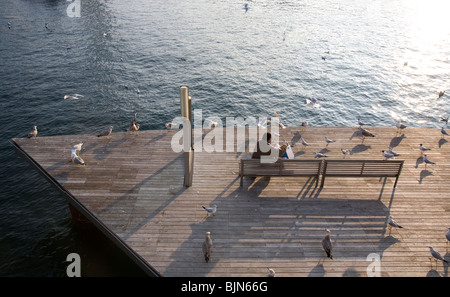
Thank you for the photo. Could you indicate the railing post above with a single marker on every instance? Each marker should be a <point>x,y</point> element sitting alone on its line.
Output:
<point>186,112</point>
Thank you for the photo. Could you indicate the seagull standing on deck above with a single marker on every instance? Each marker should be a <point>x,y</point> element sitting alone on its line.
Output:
<point>390,151</point>
<point>427,161</point>
<point>365,133</point>
<point>435,254</point>
<point>327,245</point>
<point>392,223</point>
<point>207,247</point>
<point>443,132</point>
<point>33,133</point>
<point>271,272</point>
<point>387,155</point>
<point>345,152</point>
<point>361,123</point>
<point>400,126</point>
<point>328,141</point>
<point>423,149</point>
<point>210,210</point>
<point>106,133</point>
<point>319,155</point>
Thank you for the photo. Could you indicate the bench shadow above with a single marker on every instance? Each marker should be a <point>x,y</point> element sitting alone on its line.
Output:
<point>252,227</point>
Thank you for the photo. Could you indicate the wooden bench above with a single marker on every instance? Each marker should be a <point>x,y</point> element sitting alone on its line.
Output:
<point>362,168</point>
<point>282,167</point>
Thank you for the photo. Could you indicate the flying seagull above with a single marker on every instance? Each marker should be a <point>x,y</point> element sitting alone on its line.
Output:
<point>106,133</point>
<point>33,133</point>
<point>441,93</point>
<point>327,245</point>
<point>207,247</point>
<point>73,96</point>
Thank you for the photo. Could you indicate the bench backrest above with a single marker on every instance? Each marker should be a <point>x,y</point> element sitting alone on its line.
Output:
<point>362,168</point>
<point>282,167</point>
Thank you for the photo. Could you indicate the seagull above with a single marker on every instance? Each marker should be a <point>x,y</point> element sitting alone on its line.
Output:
<point>77,147</point>
<point>435,254</point>
<point>327,245</point>
<point>134,126</point>
<point>170,125</point>
<point>444,119</point>
<point>392,223</point>
<point>328,141</point>
<point>246,7</point>
<point>320,155</point>
<point>427,161</point>
<point>73,96</point>
<point>390,151</point>
<point>387,155</point>
<point>33,133</point>
<point>443,132</point>
<point>303,142</point>
<point>77,160</point>
<point>9,25</point>
<point>361,123</point>
<point>345,152</point>
<point>313,102</point>
<point>365,133</point>
<point>441,93</point>
<point>400,126</point>
<point>106,133</point>
<point>271,272</point>
<point>207,247</point>
<point>423,149</point>
<point>210,210</point>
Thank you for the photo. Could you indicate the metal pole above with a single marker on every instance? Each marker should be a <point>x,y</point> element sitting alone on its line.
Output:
<point>186,112</point>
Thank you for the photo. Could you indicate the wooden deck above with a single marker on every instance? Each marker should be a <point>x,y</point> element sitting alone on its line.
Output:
<point>132,189</point>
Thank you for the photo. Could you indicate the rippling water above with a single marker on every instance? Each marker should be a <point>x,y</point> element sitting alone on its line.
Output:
<point>127,56</point>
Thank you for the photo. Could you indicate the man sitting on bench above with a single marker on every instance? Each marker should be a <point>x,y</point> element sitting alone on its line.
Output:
<point>264,147</point>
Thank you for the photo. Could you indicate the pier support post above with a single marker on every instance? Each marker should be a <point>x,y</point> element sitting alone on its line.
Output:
<point>186,112</point>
